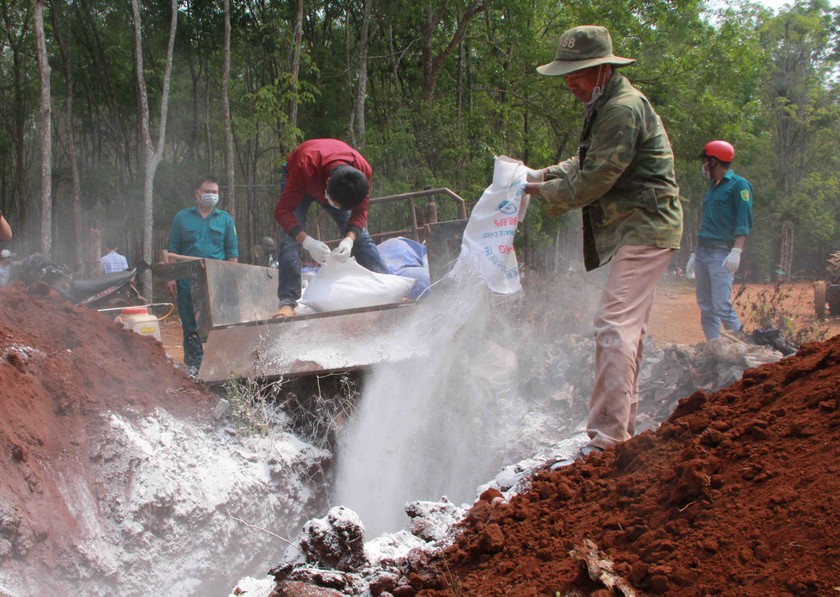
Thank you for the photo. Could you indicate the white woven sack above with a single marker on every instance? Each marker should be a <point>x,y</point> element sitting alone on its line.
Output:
<point>488,238</point>
<point>348,285</point>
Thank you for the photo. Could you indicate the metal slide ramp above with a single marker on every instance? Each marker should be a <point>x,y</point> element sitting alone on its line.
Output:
<point>234,302</point>
<point>307,344</point>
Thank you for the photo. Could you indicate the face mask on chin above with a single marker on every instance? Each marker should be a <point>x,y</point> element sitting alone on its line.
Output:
<point>598,90</point>
<point>208,199</point>
<point>330,201</point>
<point>705,173</point>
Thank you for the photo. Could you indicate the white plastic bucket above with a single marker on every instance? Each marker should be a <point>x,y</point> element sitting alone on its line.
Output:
<point>140,321</point>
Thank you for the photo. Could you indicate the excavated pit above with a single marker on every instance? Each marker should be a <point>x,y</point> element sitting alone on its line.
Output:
<point>118,476</point>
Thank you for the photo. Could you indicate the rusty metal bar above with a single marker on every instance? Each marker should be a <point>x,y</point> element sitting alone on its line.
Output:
<point>431,211</point>
<point>414,219</point>
<point>462,205</point>
<point>414,231</point>
<point>392,233</point>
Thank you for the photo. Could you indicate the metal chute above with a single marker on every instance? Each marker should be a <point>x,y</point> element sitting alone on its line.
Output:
<point>234,303</point>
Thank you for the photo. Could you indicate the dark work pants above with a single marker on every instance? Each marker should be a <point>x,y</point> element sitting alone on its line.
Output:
<point>289,281</point>
<point>193,351</point>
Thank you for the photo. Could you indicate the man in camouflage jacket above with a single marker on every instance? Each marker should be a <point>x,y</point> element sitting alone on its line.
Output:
<point>623,180</point>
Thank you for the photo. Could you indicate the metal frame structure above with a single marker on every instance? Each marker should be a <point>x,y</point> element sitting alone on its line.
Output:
<point>234,303</point>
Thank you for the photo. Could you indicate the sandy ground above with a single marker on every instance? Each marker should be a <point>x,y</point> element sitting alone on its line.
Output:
<point>674,318</point>
<point>171,335</point>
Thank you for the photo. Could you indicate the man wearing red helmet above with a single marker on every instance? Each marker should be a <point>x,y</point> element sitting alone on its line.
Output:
<point>727,220</point>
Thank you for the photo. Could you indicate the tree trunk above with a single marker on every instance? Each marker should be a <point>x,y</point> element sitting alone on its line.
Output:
<point>46,138</point>
<point>296,49</point>
<point>348,75</point>
<point>81,256</point>
<point>16,34</point>
<point>208,133</point>
<point>152,154</point>
<point>433,61</point>
<point>195,78</point>
<point>229,164</point>
<point>786,253</point>
<point>362,91</point>
<point>395,61</point>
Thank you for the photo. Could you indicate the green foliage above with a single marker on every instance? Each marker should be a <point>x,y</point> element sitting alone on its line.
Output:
<point>439,105</point>
<point>770,308</point>
<point>271,101</point>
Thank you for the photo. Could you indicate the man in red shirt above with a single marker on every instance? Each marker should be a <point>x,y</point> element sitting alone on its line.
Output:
<point>337,176</point>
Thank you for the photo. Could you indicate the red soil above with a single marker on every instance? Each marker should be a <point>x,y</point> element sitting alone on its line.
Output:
<point>61,368</point>
<point>737,494</point>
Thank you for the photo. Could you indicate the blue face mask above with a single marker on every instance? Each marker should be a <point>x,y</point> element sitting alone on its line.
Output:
<point>208,199</point>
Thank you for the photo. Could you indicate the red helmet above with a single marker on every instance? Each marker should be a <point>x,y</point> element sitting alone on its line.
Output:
<point>720,150</point>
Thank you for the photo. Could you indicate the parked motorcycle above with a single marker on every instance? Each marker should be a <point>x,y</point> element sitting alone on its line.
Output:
<point>108,290</point>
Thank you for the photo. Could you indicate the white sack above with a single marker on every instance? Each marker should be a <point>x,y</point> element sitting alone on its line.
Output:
<point>348,285</point>
<point>488,237</point>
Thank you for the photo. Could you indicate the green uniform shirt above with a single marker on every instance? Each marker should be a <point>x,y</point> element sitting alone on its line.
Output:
<point>213,237</point>
<point>623,178</point>
<point>727,211</point>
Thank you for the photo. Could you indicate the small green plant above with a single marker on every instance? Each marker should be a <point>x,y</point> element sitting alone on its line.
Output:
<point>770,308</point>
<point>251,404</point>
<point>315,409</point>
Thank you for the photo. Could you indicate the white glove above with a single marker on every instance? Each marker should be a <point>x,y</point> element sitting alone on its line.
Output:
<point>534,175</point>
<point>689,267</point>
<point>342,251</point>
<point>320,251</point>
<point>733,260</point>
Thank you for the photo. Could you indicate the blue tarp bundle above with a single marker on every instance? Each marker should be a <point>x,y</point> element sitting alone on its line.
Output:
<point>405,257</point>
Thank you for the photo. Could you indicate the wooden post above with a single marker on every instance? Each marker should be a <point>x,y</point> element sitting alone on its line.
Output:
<point>92,265</point>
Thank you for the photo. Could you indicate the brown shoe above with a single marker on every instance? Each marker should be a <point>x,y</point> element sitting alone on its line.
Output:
<point>285,312</point>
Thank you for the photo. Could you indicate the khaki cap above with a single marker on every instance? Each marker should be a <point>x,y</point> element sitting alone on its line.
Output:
<point>582,47</point>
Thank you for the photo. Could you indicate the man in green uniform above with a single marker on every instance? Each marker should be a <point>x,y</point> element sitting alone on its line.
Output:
<point>623,180</point>
<point>726,223</point>
<point>199,231</point>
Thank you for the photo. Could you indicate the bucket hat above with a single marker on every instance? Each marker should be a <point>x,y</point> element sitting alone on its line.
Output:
<point>582,47</point>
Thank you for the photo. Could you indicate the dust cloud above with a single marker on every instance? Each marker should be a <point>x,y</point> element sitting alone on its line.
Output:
<point>444,424</point>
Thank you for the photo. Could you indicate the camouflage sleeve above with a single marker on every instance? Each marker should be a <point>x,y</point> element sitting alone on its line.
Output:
<point>610,152</point>
<point>563,169</point>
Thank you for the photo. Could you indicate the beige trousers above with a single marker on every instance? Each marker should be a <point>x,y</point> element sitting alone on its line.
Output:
<point>620,324</point>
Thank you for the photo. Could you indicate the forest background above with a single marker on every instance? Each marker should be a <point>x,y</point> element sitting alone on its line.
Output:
<point>109,111</point>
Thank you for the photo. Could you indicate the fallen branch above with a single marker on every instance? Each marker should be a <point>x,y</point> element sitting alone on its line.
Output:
<point>253,526</point>
<point>600,568</point>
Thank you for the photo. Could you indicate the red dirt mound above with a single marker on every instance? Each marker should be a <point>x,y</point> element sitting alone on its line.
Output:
<point>61,367</point>
<point>737,494</point>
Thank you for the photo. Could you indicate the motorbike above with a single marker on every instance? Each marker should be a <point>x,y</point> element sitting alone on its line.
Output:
<point>116,289</point>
